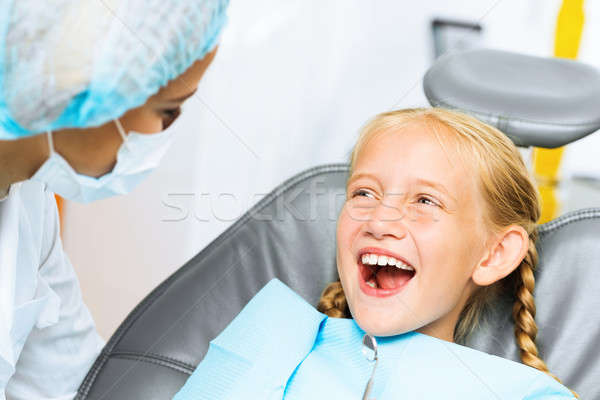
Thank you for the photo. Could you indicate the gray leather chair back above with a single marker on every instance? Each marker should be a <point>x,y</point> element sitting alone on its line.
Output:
<point>290,234</point>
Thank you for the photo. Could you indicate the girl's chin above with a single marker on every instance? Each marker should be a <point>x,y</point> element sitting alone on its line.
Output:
<point>376,324</point>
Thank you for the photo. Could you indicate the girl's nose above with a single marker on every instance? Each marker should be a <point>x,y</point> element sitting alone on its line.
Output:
<point>387,219</point>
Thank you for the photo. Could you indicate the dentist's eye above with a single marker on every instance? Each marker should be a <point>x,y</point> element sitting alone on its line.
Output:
<point>169,116</point>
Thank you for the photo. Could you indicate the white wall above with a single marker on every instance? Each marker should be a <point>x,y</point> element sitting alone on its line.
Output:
<point>290,86</point>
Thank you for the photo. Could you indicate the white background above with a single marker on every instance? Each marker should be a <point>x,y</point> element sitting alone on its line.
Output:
<point>292,83</point>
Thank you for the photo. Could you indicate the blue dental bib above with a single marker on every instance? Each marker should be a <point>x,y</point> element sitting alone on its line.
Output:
<point>280,347</point>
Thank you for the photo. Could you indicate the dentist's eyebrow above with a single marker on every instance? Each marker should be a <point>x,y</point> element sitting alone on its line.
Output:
<point>435,185</point>
<point>182,98</point>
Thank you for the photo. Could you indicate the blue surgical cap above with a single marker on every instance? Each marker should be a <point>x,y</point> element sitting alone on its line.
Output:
<point>74,64</point>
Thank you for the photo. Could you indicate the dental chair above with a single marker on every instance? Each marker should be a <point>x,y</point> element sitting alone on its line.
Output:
<point>290,234</point>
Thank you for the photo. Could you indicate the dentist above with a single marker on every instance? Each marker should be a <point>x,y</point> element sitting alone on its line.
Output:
<point>88,90</point>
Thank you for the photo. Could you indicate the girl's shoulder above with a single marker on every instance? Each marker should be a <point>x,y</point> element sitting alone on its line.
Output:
<point>465,370</point>
<point>274,310</point>
<point>277,329</point>
<point>273,332</point>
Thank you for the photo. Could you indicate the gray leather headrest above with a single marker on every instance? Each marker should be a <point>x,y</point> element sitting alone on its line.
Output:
<point>536,101</point>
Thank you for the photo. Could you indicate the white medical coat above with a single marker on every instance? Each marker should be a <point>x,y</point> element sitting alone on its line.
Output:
<point>48,340</point>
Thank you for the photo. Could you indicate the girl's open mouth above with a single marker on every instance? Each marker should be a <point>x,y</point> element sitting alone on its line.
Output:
<point>381,275</point>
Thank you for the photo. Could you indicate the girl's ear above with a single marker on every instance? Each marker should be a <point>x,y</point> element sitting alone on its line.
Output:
<point>503,256</point>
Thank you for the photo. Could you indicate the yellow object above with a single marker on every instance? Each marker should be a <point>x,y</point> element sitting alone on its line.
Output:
<point>568,29</point>
<point>546,162</point>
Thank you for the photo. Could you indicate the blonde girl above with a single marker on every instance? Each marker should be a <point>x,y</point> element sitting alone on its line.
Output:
<point>403,224</point>
<point>439,220</point>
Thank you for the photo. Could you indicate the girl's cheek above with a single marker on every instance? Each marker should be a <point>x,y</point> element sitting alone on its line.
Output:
<point>438,232</point>
<point>347,222</point>
<point>344,228</point>
<point>358,211</point>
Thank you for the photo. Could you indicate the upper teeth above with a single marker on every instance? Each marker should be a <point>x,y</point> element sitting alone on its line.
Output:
<point>374,259</point>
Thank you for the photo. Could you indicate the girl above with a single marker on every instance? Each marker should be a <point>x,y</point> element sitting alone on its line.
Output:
<point>440,219</point>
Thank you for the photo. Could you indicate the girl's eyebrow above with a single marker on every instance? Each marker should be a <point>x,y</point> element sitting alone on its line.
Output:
<point>355,177</point>
<point>419,181</point>
<point>435,185</point>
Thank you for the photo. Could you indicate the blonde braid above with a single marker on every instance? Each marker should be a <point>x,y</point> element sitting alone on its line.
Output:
<point>333,301</point>
<point>524,312</point>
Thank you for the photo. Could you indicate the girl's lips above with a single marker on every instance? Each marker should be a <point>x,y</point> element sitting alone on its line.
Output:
<point>375,292</point>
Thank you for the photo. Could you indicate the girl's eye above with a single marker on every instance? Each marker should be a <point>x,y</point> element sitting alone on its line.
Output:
<point>428,201</point>
<point>362,193</point>
<point>169,116</point>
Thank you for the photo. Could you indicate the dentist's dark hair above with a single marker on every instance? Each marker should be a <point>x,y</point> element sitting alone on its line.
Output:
<point>511,199</point>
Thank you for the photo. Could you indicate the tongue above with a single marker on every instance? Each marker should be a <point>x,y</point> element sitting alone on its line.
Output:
<point>390,277</point>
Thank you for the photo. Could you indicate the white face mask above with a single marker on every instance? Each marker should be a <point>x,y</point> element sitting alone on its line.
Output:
<point>138,155</point>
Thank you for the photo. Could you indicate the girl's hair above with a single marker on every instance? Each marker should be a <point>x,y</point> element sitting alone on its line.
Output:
<point>510,197</point>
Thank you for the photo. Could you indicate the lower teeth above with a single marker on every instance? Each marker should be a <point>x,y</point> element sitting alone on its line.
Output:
<point>372,284</point>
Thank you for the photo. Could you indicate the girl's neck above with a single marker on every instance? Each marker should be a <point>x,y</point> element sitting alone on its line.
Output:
<point>443,328</point>
<point>437,332</point>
